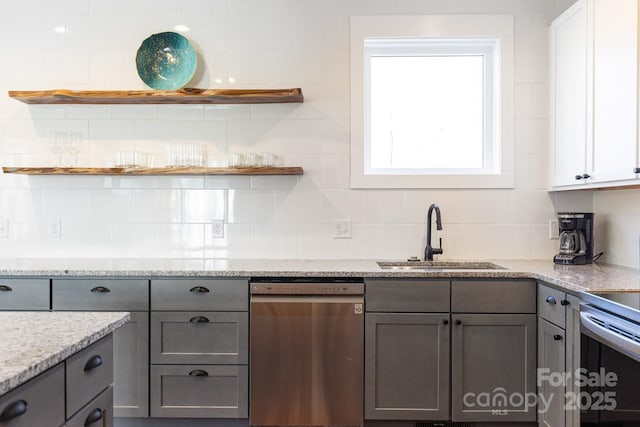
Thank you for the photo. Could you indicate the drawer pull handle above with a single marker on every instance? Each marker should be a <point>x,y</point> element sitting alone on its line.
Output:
<point>101,289</point>
<point>198,373</point>
<point>93,363</point>
<point>14,410</point>
<point>199,319</point>
<point>551,300</point>
<point>5,288</point>
<point>199,289</point>
<point>557,337</point>
<point>94,416</point>
<point>564,302</point>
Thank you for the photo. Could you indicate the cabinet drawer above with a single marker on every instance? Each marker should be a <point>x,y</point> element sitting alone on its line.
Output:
<point>88,373</point>
<point>551,305</point>
<point>407,295</point>
<point>199,391</point>
<point>100,294</point>
<point>97,413</point>
<point>199,337</point>
<point>44,398</point>
<point>493,296</point>
<point>200,294</point>
<point>24,294</point>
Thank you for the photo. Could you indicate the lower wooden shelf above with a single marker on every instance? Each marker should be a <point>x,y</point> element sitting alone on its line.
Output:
<point>291,170</point>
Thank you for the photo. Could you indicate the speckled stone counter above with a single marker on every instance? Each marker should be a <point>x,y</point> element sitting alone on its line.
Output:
<point>34,341</point>
<point>593,277</point>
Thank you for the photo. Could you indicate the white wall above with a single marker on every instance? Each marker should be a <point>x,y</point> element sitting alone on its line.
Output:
<point>617,225</point>
<point>258,43</point>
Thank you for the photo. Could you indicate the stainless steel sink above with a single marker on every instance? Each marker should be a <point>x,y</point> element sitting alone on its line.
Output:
<point>438,265</point>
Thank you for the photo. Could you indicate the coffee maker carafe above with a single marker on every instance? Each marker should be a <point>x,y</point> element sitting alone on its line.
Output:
<point>576,238</point>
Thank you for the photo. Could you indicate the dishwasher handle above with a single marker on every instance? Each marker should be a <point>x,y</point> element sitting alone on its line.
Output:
<point>604,328</point>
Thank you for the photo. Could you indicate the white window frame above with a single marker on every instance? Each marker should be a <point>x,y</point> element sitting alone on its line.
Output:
<point>456,34</point>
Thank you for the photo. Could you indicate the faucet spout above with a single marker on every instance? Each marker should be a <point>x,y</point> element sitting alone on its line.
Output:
<point>429,251</point>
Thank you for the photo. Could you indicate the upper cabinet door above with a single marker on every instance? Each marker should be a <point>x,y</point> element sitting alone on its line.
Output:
<point>615,88</point>
<point>594,95</point>
<point>569,115</point>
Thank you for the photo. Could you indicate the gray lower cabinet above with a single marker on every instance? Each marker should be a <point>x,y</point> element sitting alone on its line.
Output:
<point>551,358</point>
<point>131,342</point>
<point>493,367</point>
<point>558,355</point>
<point>24,294</point>
<point>199,391</point>
<point>77,390</point>
<point>407,366</point>
<point>199,348</point>
<point>39,402</point>
<point>131,367</point>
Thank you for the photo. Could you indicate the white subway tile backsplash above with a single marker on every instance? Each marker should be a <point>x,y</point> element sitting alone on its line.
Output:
<point>258,44</point>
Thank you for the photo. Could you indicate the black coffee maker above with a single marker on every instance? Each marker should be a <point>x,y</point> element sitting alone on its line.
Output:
<point>576,238</point>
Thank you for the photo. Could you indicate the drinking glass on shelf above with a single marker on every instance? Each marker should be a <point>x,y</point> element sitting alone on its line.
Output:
<point>74,147</point>
<point>59,143</point>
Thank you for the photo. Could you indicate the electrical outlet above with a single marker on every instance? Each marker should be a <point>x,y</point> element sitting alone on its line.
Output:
<point>554,229</point>
<point>342,229</point>
<point>217,229</point>
<point>55,228</point>
<point>4,228</point>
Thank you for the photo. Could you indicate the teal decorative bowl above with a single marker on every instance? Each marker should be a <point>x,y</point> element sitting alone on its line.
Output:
<point>166,61</point>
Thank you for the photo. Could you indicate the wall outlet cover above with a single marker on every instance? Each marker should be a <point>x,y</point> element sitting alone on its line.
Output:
<point>342,229</point>
<point>55,228</point>
<point>554,229</point>
<point>4,228</point>
<point>217,229</point>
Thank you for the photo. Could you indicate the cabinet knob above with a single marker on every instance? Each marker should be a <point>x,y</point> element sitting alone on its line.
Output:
<point>199,319</point>
<point>586,176</point>
<point>94,416</point>
<point>636,170</point>
<point>578,177</point>
<point>101,289</point>
<point>93,363</point>
<point>13,410</point>
<point>445,322</point>
<point>5,288</point>
<point>199,289</point>
<point>458,322</point>
<point>564,302</point>
<point>198,373</point>
<point>551,300</point>
<point>557,337</point>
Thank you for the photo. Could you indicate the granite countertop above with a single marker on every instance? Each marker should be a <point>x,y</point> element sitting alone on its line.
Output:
<point>34,341</point>
<point>591,277</point>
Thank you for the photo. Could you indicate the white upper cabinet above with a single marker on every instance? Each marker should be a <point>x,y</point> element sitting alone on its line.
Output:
<point>594,95</point>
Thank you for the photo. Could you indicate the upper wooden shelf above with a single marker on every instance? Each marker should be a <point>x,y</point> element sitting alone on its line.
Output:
<point>292,170</point>
<point>182,96</point>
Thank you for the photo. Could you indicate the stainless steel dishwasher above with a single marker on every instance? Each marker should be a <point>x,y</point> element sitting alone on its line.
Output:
<point>307,352</point>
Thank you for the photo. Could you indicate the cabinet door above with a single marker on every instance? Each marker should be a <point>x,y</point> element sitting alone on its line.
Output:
<point>551,362</point>
<point>615,86</point>
<point>407,366</point>
<point>131,367</point>
<point>493,367</point>
<point>572,357</point>
<point>569,115</point>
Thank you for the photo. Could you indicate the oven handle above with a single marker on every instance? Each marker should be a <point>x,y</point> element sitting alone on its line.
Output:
<point>606,336</point>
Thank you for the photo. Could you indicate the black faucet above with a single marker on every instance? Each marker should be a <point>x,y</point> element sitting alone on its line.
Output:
<point>430,251</point>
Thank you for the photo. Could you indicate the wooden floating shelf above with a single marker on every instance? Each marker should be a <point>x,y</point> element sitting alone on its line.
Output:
<point>182,96</point>
<point>295,170</point>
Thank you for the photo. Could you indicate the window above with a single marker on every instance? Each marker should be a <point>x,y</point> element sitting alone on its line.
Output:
<point>428,107</point>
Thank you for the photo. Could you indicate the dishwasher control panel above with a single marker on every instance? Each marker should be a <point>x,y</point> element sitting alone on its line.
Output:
<point>307,288</point>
